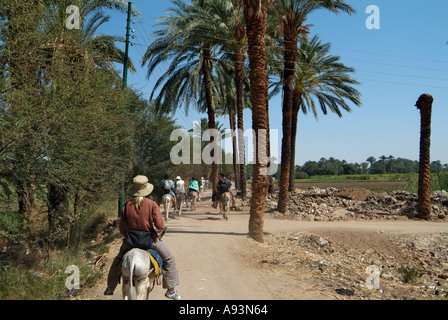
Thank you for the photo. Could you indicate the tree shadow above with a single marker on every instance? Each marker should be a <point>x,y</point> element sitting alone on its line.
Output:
<point>229,233</point>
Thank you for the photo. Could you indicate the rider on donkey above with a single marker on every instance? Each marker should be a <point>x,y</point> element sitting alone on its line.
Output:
<point>143,214</point>
<point>179,188</point>
<point>224,185</point>
<point>194,187</point>
<point>166,186</point>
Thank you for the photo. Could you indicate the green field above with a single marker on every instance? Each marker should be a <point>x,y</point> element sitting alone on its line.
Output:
<point>374,182</point>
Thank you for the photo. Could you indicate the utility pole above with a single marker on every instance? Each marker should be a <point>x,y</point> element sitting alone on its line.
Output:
<point>126,52</point>
<point>125,83</point>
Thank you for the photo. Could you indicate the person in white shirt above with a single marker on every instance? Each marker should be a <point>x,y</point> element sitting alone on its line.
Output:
<point>179,187</point>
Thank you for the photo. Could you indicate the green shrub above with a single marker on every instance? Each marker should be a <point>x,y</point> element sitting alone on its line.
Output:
<point>441,182</point>
<point>410,273</point>
<point>12,226</point>
<point>301,175</point>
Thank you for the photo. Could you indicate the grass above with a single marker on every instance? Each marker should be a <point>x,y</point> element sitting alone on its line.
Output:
<point>439,181</point>
<point>45,280</point>
<point>359,178</point>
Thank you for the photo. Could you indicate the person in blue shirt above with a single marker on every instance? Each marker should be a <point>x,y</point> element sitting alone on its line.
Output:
<point>166,186</point>
<point>194,186</point>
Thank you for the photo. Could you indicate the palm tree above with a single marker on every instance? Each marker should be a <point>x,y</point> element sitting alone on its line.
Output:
<point>371,160</point>
<point>383,159</point>
<point>224,18</point>
<point>424,104</point>
<point>189,78</point>
<point>99,49</point>
<point>227,96</point>
<point>322,77</point>
<point>292,15</point>
<point>255,14</point>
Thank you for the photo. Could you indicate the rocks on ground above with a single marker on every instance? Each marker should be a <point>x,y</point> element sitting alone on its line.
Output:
<point>331,204</point>
<point>362,265</point>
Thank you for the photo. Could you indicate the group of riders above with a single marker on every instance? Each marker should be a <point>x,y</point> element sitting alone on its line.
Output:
<point>143,214</point>
<point>176,188</point>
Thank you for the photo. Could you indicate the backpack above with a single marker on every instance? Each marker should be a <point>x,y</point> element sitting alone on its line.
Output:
<point>167,186</point>
<point>223,186</point>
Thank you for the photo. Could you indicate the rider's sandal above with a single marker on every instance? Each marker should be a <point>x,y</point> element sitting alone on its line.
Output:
<point>172,295</point>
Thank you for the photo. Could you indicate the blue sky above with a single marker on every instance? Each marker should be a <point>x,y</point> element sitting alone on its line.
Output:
<point>395,64</point>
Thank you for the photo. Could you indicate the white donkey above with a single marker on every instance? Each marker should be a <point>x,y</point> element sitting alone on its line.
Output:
<point>137,270</point>
<point>180,198</point>
<point>193,198</point>
<point>167,202</point>
<point>224,204</point>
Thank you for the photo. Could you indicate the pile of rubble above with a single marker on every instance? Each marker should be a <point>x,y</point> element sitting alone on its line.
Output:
<point>331,204</point>
<point>407,266</point>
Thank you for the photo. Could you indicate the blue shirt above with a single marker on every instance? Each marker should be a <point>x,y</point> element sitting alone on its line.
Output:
<point>194,185</point>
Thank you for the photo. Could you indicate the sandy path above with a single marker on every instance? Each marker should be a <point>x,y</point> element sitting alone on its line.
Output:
<point>210,255</point>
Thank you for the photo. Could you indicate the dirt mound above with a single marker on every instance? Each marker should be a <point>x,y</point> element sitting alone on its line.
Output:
<point>361,265</point>
<point>359,194</point>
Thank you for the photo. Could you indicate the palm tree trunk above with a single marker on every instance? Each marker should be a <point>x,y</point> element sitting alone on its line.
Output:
<point>239,71</point>
<point>255,13</point>
<point>268,146</point>
<point>290,57</point>
<point>296,103</point>
<point>424,104</point>
<point>210,114</point>
<point>236,168</point>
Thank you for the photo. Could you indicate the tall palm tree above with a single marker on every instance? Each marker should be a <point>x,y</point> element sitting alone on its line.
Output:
<point>255,15</point>
<point>189,76</point>
<point>292,15</point>
<point>320,76</point>
<point>424,104</point>
<point>224,17</point>
<point>227,96</point>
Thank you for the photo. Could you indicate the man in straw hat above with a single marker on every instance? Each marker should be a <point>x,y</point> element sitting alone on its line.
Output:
<point>143,214</point>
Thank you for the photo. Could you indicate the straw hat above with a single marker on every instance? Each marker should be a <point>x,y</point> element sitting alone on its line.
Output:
<point>141,187</point>
<point>178,178</point>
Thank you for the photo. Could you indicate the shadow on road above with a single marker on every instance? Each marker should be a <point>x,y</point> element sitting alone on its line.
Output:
<point>210,232</point>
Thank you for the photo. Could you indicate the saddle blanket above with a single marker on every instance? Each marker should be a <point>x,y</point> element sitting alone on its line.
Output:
<point>156,260</point>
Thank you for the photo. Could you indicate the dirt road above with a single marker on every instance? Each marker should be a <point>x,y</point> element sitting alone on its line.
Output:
<point>215,257</point>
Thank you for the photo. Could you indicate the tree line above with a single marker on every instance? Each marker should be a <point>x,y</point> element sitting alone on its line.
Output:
<point>382,165</point>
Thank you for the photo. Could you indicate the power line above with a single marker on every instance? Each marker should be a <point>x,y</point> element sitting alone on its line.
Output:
<point>391,55</point>
<point>142,30</point>
<point>335,48</point>
<point>145,37</point>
